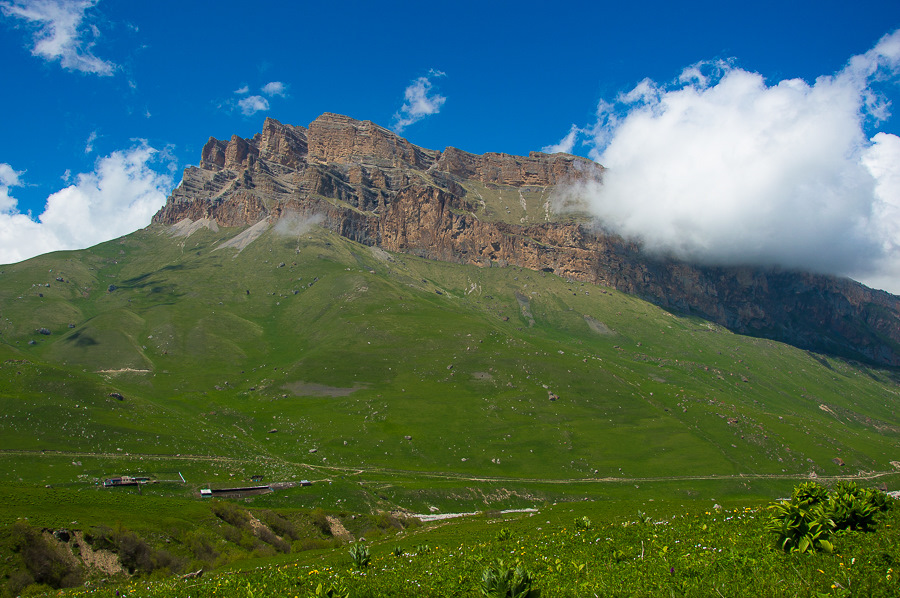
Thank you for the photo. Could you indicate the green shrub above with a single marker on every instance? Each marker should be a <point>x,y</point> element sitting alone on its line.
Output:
<point>269,537</point>
<point>200,545</point>
<point>278,524</point>
<point>583,523</point>
<point>230,513</point>
<point>805,523</point>
<point>504,534</point>
<point>320,520</point>
<point>800,527</point>
<point>134,553</point>
<point>500,581</point>
<point>360,555</point>
<point>851,507</point>
<point>46,562</point>
<point>809,493</point>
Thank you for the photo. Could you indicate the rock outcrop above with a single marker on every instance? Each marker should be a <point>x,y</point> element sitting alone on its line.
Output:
<point>374,187</point>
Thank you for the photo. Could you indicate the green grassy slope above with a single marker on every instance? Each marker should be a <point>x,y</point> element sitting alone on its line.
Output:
<point>673,550</point>
<point>315,357</point>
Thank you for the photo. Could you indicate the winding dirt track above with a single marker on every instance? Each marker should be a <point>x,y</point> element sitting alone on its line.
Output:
<point>359,471</point>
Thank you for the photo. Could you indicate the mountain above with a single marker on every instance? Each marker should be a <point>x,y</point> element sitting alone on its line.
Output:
<point>376,188</point>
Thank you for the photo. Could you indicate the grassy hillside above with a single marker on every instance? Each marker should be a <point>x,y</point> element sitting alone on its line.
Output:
<point>391,382</point>
<point>313,356</point>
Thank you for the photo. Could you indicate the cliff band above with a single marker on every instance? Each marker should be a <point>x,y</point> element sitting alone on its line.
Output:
<point>376,188</point>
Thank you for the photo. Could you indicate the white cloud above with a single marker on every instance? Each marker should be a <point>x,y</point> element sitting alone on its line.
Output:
<point>60,34</point>
<point>274,88</point>
<point>723,168</point>
<point>253,104</point>
<point>119,196</point>
<point>420,102</point>
<point>89,144</point>
<point>8,178</point>
<point>243,90</point>
<point>565,145</point>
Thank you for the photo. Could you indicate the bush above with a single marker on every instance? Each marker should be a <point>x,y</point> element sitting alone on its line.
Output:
<point>201,546</point>
<point>800,527</point>
<point>134,553</point>
<point>269,537</point>
<point>45,562</point>
<point>805,523</point>
<point>360,555</point>
<point>583,523</point>
<point>280,525</point>
<point>320,520</point>
<point>809,493</point>
<point>500,581</point>
<point>230,513</point>
<point>853,508</point>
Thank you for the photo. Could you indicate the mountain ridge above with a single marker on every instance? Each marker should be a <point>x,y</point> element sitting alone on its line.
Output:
<point>375,187</point>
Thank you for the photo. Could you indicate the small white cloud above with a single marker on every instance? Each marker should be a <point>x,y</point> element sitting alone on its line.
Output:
<point>722,167</point>
<point>89,145</point>
<point>60,33</point>
<point>420,102</point>
<point>119,196</point>
<point>242,91</point>
<point>565,145</point>
<point>8,178</point>
<point>274,88</point>
<point>253,104</point>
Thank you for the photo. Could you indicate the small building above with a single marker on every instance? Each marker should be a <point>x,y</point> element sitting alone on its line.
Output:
<point>205,492</point>
<point>125,481</point>
<point>305,483</point>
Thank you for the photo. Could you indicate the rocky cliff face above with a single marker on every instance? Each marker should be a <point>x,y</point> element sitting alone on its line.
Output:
<point>379,189</point>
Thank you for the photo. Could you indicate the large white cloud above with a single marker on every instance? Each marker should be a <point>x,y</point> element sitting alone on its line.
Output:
<point>722,167</point>
<point>420,101</point>
<point>119,196</point>
<point>59,32</point>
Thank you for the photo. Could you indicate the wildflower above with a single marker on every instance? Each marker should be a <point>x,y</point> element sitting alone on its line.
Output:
<point>672,571</point>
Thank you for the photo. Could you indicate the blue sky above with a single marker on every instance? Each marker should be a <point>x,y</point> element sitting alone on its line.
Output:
<point>106,102</point>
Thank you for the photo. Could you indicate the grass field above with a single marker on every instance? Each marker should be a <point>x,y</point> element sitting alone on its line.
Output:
<point>625,548</point>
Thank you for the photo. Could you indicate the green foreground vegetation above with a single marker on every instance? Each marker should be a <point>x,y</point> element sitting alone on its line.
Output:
<point>621,548</point>
<point>401,385</point>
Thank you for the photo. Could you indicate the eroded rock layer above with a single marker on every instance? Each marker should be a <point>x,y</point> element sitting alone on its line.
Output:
<point>374,187</point>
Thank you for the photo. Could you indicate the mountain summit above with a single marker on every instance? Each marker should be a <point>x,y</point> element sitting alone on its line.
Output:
<point>375,187</point>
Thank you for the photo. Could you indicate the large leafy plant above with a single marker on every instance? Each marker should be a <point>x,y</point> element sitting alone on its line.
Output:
<point>500,581</point>
<point>854,508</point>
<point>805,523</point>
<point>801,527</point>
<point>360,555</point>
